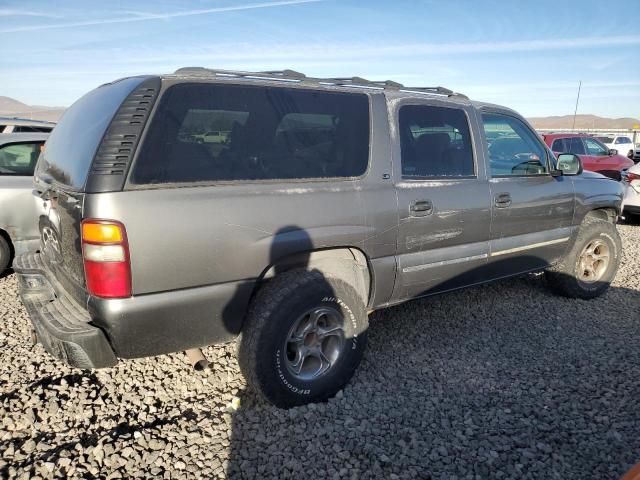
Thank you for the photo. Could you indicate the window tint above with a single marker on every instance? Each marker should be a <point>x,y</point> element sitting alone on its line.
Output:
<point>19,158</point>
<point>513,148</point>
<point>435,142</point>
<point>73,143</point>
<point>212,132</point>
<point>594,147</point>
<point>623,140</point>
<point>569,145</point>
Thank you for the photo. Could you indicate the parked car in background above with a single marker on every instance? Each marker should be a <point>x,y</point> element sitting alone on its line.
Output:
<point>19,233</point>
<point>212,137</point>
<point>24,125</point>
<point>636,153</point>
<point>631,201</point>
<point>331,199</point>
<point>594,154</point>
<point>621,143</point>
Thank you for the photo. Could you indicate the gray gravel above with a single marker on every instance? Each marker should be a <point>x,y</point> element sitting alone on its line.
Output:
<point>499,381</point>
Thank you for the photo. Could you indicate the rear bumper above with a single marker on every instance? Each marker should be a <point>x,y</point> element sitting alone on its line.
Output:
<point>61,325</point>
<point>139,326</point>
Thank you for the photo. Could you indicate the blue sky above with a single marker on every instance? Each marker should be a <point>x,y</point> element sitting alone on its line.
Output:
<point>527,55</point>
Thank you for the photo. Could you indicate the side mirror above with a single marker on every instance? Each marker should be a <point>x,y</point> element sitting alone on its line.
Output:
<point>569,164</point>
<point>613,151</point>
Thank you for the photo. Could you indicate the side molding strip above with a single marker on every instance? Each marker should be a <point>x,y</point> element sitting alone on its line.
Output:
<point>454,261</point>
<point>444,262</point>
<point>528,247</point>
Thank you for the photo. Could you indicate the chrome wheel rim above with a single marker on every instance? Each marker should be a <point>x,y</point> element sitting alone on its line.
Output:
<point>314,343</point>
<point>593,261</point>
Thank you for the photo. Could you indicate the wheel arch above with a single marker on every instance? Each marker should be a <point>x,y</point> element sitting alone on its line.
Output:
<point>349,264</point>
<point>608,214</point>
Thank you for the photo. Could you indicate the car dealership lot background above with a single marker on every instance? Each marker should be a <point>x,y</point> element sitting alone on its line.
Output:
<point>504,380</point>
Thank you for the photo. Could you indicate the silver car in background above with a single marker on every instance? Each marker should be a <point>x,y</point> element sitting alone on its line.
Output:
<point>19,153</point>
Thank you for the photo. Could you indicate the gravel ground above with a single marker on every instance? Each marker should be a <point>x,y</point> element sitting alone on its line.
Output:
<point>499,381</point>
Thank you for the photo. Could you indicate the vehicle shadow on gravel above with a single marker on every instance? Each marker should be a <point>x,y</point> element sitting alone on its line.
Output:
<point>504,380</point>
<point>6,273</point>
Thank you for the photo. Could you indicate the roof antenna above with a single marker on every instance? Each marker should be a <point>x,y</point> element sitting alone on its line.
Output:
<point>576,110</point>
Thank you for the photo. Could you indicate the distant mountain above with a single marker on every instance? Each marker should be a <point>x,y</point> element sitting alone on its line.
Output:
<point>583,122</point>
<point>10,107</point>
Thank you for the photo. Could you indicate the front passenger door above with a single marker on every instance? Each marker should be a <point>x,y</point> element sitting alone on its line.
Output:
<point>532,212</point>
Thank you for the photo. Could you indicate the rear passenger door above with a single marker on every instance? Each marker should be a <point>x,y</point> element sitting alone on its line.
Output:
<point>443,199</point>
<point>532,212</point>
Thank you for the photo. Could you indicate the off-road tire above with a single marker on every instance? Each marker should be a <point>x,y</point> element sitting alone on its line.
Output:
<point>5,254</point>
<point>273,312</point>
<point>563,278</point>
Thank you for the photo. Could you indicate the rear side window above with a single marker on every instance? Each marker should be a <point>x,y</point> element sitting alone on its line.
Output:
<point>73,143</point>
<point>212,132</point>
<point>569,145</point>
<point>19,158</point>
<point>435,142</point>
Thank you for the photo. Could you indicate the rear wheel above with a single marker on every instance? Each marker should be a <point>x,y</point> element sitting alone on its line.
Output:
<point>303,338</point>
<point>5,254</point>
<point>591,265</point>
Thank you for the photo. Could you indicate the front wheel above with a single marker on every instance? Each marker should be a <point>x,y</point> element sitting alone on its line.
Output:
<point>303,338</point>
<point>591,264</point>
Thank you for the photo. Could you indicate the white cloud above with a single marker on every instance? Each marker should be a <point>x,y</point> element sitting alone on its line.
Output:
<point>8,12</point>
<point>143,16</point>
<point>331,52</point>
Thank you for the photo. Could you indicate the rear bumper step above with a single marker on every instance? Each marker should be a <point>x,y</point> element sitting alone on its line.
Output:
<point>62,326</point>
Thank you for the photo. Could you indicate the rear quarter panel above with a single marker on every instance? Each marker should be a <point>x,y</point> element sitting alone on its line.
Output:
<point>189,236</point>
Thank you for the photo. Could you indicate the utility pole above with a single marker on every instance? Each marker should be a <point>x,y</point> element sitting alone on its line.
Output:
<point>576,110</point>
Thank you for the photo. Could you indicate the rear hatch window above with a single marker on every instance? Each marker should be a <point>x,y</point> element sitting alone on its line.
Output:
<point>72,145</point>
<point>214,132</point>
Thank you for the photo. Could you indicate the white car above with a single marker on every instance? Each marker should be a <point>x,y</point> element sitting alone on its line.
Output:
<point>631,200</point>
<point>621,143</point>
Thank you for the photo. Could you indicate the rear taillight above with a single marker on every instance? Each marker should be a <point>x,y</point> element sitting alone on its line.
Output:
<point>106,258</point>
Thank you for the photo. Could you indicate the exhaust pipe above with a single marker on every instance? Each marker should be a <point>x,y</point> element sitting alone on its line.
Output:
<point>197,359</point>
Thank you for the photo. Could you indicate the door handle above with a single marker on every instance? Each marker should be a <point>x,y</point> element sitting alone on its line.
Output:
<point>502,200</point>
<point>421,208</point>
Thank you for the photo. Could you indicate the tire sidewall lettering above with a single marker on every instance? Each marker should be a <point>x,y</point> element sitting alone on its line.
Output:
<point>351,329</point>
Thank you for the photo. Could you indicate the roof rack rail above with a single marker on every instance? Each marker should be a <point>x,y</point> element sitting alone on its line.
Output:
<point>294,76</point>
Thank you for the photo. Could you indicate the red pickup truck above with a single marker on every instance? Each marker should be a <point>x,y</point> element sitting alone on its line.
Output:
<point>594,154</point>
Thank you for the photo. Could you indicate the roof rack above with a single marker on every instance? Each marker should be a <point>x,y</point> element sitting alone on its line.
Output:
<point>298,77</point>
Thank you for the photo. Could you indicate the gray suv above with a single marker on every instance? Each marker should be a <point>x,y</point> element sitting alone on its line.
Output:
<point>324,200</point>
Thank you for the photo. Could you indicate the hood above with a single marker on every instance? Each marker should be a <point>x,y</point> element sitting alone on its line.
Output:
<point>625,161</point>
<point>590,174</point>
